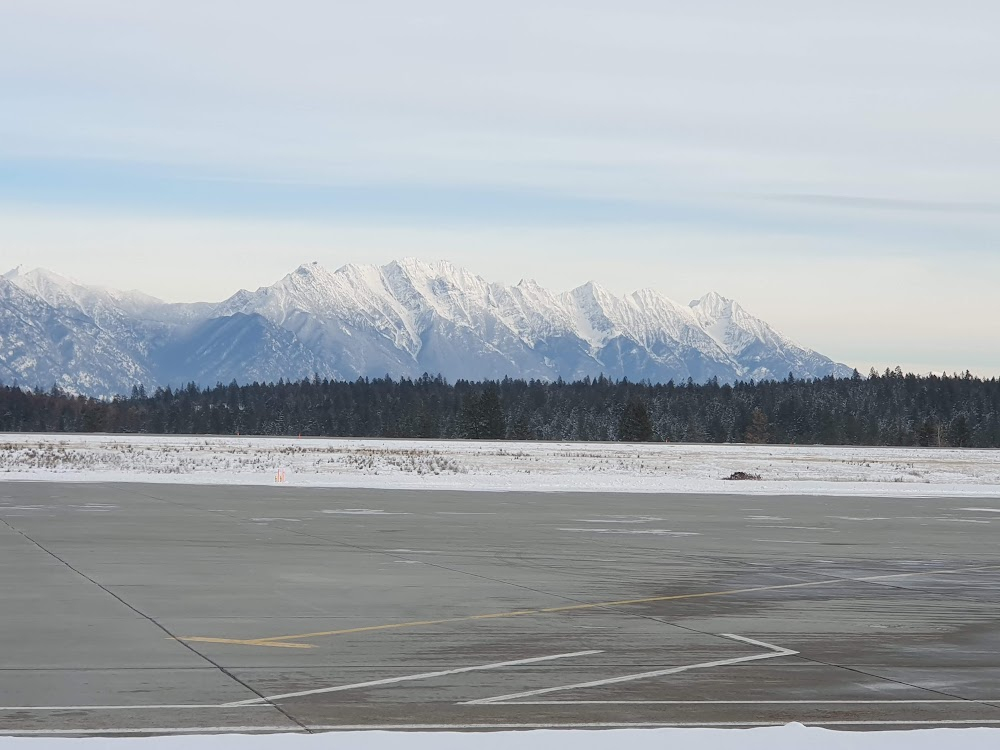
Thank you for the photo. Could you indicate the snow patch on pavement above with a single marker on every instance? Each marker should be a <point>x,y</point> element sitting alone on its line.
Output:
<point>790,737</point>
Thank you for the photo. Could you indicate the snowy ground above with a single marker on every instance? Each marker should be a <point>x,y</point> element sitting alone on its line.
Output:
<point>467,465</point>
<point>791,737</point>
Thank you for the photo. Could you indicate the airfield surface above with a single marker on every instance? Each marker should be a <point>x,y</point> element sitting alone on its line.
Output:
<point>154,608</point>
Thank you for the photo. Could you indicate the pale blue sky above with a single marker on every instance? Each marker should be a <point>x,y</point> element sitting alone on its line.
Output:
<point>833,166</point>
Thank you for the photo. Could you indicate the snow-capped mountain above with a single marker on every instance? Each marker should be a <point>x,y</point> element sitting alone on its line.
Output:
<point>760,350</point>
<point>46,344</point>
<point>403,319</point>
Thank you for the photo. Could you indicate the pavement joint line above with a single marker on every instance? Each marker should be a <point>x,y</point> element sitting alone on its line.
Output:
<point>771,653</point>
<point>272,641</point>
<point>411,678</point>
<point>307,728</point>
<point>867,673</point>
<point>291,639</point>
<point>360,548</point>
<point>148,618</point>
<point>949,696</point>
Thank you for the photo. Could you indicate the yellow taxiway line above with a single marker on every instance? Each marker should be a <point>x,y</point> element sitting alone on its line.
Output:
<point>290,641</point>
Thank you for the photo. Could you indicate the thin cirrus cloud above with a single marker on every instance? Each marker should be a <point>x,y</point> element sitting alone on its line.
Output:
<point>693,144</point>
<point>891,204</point>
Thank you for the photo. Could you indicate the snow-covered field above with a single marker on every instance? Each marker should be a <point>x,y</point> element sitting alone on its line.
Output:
<point>791,737</point>
<point>468,465</point>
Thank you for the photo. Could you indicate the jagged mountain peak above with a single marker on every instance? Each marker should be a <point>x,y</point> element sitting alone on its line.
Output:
<point>713,303</point>
<point>310,272</point>
<point>312,268</point>
<point>43,275</point>
<point>306,289</point>
<point>427,268</point>
<point>403,318</point>
<point>591,289</point>
<point>62,291</point>
<point>647,296</point>
<point>432,279</point>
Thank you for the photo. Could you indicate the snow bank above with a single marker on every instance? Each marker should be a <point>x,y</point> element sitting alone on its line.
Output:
<point>525,466</point>
<point>791,737</point>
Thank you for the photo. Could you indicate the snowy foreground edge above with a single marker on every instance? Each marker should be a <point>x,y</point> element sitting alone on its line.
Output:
<point>502,466</point>
<point>765,738</point>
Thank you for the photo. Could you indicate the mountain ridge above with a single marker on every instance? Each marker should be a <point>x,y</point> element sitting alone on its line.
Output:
<point>403,318</point>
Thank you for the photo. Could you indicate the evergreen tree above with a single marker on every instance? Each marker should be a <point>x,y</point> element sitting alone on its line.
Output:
<point>959,434</point>
<point>492,424</point>
<point>635,426</point>
<point>469,422</point>
<point>758,431</point>
<point>883,409</point>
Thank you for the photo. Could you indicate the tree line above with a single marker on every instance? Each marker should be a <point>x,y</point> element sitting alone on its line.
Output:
<point>889,408</point>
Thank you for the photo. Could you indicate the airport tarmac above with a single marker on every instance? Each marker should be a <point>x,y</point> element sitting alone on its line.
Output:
<point>158,609</point>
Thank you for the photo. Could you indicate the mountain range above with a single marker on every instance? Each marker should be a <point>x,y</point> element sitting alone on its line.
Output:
<point>405,318</point>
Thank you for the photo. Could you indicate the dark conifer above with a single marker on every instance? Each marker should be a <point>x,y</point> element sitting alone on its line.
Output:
<point>635,426</point>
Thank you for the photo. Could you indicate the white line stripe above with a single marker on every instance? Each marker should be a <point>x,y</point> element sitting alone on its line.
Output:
<point>950,571</point>
<point>667,724</point>
<point>860,702</point>
<point>774,651</point>
<point>752,642</point>
<point>152,730</point>
<point>294,729</point>
<point>170,706</point>
<point>625,678</point>
<point>408,678</point>
<point>971,702</point>
<point>224,707</point>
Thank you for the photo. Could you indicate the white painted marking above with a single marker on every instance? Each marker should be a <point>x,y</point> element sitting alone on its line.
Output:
<point>296,729</point>
<point>363,512</point>
<point>746,703</point>
<point>153,730</point>
<point>782,541</point>
<point>610,724</point>
<point>418,551</point>
<point>776,526</point>
<point>773,652</point>
<point>860,518</point>
<point>164,706</point>
<point>265,520</point>
<point>942,519</point>
<point>762,644</point>
<point>952,571</point>
<point>225,707</point>
<point>410,678</point>
<point>983,510</point>
<point>654,532</point>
